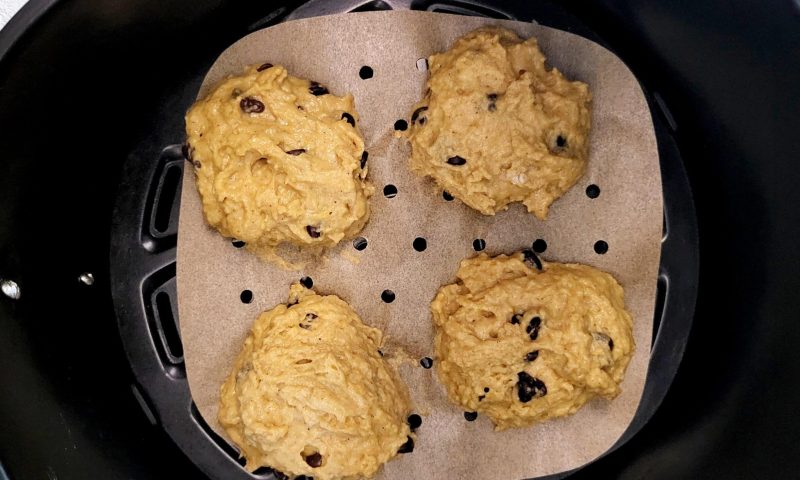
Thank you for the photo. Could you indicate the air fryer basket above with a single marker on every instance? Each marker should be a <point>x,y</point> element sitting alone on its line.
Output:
<point>92,112</point>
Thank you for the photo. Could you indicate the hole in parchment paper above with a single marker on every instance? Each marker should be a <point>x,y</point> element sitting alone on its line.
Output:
<point>246,296</point>
<point>238,243</point>
<point>447,196</point>
<point>360,243</point>
<point>365,72</point>
<point>390,191</point>
<point>422,64</point>
<point>387,296</point>
<point>600,247</point>
<point>420,244</point>
<point>478,244</point>
<point>539,246</point>
<point>592,191</point>
<point>401,125</point>
<point>307,282</point>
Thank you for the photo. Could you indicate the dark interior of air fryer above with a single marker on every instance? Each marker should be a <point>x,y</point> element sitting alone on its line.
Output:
<point>89,219</point>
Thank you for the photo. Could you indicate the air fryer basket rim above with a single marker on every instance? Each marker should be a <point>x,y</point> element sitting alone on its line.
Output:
<point>724,77</point>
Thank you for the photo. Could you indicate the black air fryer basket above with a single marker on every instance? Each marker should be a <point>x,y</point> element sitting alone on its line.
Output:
<point>92,97</point>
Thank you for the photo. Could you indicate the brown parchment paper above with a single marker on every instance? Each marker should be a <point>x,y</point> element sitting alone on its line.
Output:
<point>623,163</point>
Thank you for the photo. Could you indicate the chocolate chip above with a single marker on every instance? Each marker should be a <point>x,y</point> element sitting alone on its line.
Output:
<point>246,296</point>
<point>422,121</point>
<point>470,416</point>
<point>533,327</point>
<point>401,125</point>
<point>407,447</point>
<point>529,387</point>
<point>238,243</point>
<point>539,246</point>
<point>304,326</point>
<point>602,337</point>
<point>251,105</point>
<point>264,67</point>
<point>492,97</point>
<point>447,196</point>
<point>481,397</point>
<point>414,421</point>
<point>593,191</point>
<point>531,259</point>
<point>416,113</point>
<point>611,344</point>
<point>516,318</point>
<point>426,362</point>
<point>303,477</point>
<point>311,316</point>
<point>456,161</point>
<point>561,142</point>
<point>314,460</point>
<point>313,231</point>
<point>478,244</point>
<point>380,352</point>
<point>600,247</point>
<point>307,282</point>
<point>531,356</point>
<point>235,93</point>
<point>316,89</point>
<point>296,151</point>
<point>390,191</point>
<point>364,157</point>
<point>486,389</point>
<point>349,118</point>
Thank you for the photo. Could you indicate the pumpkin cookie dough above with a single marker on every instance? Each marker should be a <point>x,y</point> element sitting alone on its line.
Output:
<point>497,126</point>
<point>522,340</point>
<point>311,395</point>
<point>279,159</point>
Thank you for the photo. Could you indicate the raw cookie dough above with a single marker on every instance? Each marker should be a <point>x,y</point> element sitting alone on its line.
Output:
<point>278,160</point>
<point>311,395</point>
<point>496,126</point>
<point>522,345</point>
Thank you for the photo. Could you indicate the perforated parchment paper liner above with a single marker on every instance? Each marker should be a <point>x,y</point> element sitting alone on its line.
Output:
<point>627,215</point>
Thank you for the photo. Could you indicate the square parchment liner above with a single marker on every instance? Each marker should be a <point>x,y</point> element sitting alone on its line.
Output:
<point>627,214</point>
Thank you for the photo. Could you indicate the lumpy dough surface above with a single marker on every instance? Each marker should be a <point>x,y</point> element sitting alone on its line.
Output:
<point>278,160</point>
<point>497,126</point>
<point>310,388</point>
<point>523,345</point>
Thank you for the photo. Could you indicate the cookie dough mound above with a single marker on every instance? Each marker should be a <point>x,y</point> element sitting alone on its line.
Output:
<point>310,394</point>
<point>523,345</point>
<point>278,160</point>
<point>497,126</point>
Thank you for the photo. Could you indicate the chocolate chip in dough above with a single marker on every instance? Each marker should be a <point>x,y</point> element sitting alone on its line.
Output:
<point>316,89</point>
<point>456,161</point>
<point>533,328</point>
<point>426,362</point>
<point>264,67</point>
<point>531,259</point>
<point>561,142</point>
<point>313,231</point>
<point>531,356</point>
<point>296,151</point>
<point>251,105</point>
<point>470,416</point>
<point>349,118</point>
<point>238,243</point>
<point>407,447</point>
<point>516,318</point>
<point>314,460</point>
<point>492,97</point>
<point>364,157</point>
<point>529,387</point>
<point>307,282</point>
<point>447,196</point>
